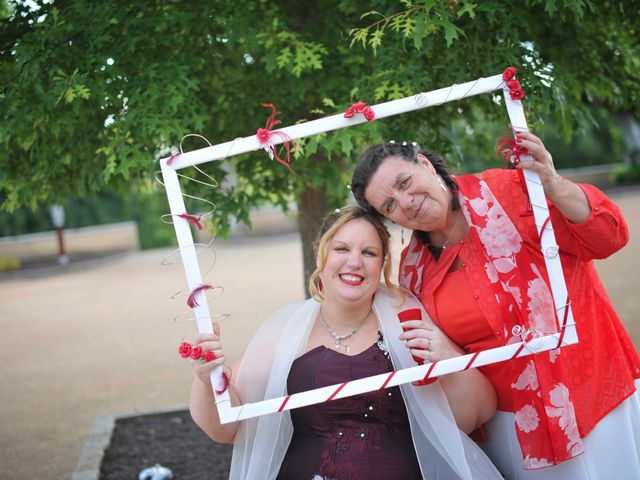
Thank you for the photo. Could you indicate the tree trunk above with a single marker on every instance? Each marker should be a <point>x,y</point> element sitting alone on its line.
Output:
<point>311,209</point>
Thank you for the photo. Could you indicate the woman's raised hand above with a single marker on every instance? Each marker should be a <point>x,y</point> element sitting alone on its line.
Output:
<point>208,342</point>
<point>567,196</point>
<point>542,163</point>
<point>426,341</point>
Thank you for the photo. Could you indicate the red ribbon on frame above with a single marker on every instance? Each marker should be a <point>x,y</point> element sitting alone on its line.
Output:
<point>193,219</point>
<point>264,136</point>
<point>509,149</point>
<point>192,301</point>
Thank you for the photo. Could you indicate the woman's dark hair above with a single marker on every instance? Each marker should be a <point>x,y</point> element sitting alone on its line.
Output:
<point>375,155</point>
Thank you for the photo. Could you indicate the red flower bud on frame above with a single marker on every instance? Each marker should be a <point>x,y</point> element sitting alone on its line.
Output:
<point>185,349</point>
<point>263,135</point>
<point>196,352</point>
<point>361,108</point>
<point>209,356</point>
<point>517,94</point>
<point>349,112</point>
<point>509,73</point>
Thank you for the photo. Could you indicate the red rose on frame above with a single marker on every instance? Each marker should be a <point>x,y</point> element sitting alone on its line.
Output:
<point>196,352</point>
<point>209,356</point>
<point>517,94</point>
<point>361,108</point>
<point>263,135</point>
<point>185,349</point>
<point>369,114</point>
<point>509,73</point>
<point>513,84</point>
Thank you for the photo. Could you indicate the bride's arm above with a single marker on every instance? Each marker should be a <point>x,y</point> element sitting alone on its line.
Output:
<point>201,400</point>
<point>471,396</point>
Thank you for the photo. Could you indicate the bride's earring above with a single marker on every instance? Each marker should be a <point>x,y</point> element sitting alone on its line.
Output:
<point>402,235</point>
<point>441,184</point>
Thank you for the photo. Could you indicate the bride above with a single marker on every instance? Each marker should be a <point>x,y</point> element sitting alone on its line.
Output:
<point>349,329</point>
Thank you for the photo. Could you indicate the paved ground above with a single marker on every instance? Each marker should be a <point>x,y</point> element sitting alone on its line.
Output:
<point>98,338</point>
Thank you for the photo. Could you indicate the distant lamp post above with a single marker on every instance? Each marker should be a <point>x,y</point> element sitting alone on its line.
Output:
<point>57,217</point>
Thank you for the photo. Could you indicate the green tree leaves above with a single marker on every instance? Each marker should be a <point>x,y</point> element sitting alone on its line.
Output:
<point>94,93</point>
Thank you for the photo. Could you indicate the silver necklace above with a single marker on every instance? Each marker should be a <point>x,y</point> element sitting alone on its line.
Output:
<point>337,339</point>
<point>455,229</point>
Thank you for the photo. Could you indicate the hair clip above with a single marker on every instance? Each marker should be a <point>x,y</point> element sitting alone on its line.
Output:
<point>349,186</point>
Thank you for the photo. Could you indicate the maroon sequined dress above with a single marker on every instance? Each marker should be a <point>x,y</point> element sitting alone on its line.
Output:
<point>361,437</point>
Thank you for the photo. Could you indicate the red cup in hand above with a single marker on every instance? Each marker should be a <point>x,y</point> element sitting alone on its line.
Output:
<point>405,316</point>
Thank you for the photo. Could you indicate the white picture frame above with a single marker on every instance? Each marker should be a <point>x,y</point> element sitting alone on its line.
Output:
<point>534,344</point>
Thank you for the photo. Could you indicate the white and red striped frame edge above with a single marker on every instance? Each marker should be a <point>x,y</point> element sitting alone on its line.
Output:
<point>567,335</point>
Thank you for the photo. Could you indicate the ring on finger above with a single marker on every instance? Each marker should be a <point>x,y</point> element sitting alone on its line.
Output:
<point>428,357</point>
<point>428,344</point>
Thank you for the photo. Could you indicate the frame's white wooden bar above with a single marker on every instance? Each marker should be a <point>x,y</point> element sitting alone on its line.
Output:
<point>190,262</point>
<point>422,100</point>
<point>335,122</point>
<point>547,238</point>
<point>370,384</point>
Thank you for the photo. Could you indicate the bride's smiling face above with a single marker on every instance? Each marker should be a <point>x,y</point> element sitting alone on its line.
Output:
<point>409,193</point>
<point>354,262</point>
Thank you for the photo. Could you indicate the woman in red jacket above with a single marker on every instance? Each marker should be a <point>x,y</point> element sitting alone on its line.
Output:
<point>475,262</point>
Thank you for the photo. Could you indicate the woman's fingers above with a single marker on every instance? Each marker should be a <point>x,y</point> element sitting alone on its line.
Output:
<point>209,345</point>
<point>426,324</point>
<point>427,342</point>
<point>420,342</point>
<point>424,355</point>
<point>433,347</point>
<point>209,348</point>
<point>208,365</point>
<point>205,353</point>
<point>542,162</point>
<point>203,367</point>
<point>528,136</point>
<point>537,150</point>
<point>204,337</point>
<point>416,328</point>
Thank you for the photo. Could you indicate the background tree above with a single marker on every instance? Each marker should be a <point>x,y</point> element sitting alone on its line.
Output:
<point>571,55</point>
<point>93,93</point>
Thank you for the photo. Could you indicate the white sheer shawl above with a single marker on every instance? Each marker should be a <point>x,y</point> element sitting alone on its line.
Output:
<point>443,451</point>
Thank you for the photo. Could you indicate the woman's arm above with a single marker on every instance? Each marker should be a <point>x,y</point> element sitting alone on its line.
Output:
<point>586,222</point>
<point>471,396</point>
<point>600,236</point>
<point>201,400</point>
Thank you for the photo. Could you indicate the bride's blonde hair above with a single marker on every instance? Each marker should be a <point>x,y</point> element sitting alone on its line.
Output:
<point>330,225</point>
